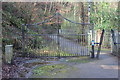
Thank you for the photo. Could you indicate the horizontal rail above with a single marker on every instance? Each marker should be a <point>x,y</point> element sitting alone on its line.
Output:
<point>55,34</point>
<point>96,43</point>
<point>74,34</point>
<point>117,43</point>
<point>56,15</point>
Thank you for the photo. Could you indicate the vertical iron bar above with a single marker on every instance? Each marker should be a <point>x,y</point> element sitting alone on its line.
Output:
<point>27,39</point>
<point>82,43</point>
<point>23,40</point>
<point>78,51</point>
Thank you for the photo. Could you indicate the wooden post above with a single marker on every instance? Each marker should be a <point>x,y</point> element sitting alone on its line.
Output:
<point>92,55</point>
<point>101,40</point>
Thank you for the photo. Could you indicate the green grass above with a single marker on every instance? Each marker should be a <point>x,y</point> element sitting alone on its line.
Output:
<point>47,70</point>
<point>102,49</point>
<point>54,70</point>
<point>79,60</point>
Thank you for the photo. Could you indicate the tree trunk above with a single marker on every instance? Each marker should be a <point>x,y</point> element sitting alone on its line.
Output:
<point>82,17</point>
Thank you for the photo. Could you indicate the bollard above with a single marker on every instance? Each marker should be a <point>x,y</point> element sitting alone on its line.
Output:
<point>8,53</point>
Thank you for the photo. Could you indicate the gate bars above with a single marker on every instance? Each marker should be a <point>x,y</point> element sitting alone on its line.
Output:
<point>45,21</point>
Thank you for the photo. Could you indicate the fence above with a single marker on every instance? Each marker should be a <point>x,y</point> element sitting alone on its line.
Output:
<point>111,40</point>
<point>116,43</point>
<point>52,43</point>
<point>107,39</point>
<point>55,44</point>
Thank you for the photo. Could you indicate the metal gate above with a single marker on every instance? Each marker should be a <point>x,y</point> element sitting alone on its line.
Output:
<point>115,42</point>
<point>42,40</point>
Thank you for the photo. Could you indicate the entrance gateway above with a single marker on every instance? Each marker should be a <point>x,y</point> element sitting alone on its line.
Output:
<point>53,41</point>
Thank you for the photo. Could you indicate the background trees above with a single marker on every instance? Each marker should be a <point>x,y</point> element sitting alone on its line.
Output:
<point>103,15</point>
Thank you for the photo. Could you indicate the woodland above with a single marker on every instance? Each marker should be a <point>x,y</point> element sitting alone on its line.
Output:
<point>104,15</point>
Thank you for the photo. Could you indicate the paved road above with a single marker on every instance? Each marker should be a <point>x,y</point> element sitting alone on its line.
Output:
<point>105,67</point>
<point>70,46</point>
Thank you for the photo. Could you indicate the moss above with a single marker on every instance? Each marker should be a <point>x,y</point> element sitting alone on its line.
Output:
<point>79,60</point>
<point>48,70</point>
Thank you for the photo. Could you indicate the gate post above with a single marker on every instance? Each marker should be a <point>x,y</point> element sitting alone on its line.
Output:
<point>8,53</point>
<point>92,55</point>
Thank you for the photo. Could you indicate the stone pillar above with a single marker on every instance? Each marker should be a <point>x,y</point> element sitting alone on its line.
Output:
<point>8,53</point>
